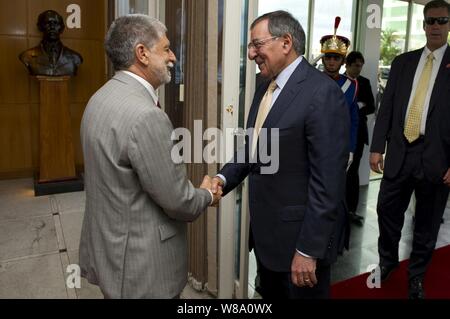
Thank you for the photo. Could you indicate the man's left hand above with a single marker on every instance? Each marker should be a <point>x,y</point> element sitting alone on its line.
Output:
<point>303,271</point>
<point>447,178</point>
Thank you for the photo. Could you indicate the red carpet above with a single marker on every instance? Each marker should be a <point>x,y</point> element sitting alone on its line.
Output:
<point>437,282</point>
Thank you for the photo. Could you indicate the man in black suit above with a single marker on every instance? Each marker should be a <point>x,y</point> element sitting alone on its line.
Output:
<point>366,105</point>
<point>297,213</point>
<point>414,120</point>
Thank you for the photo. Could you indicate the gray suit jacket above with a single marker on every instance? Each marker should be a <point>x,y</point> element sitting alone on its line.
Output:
<point>133,240</point>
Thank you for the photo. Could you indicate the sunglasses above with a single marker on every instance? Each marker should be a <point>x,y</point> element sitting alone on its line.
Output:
<point>440,20</point>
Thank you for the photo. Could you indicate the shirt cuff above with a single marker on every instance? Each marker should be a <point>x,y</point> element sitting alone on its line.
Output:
<point>223,179</point>
<point>304,255</point>
<point>212,197</point>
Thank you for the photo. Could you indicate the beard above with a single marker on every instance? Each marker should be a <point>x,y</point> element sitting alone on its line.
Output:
<point>162,71</point>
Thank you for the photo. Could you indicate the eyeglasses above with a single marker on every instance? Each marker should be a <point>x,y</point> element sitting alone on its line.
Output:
<point>440,20</point>
<point>257,44</point>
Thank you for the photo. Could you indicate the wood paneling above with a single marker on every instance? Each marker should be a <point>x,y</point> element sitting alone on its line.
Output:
<point>13,17</point>
<point>76,111</point>
<point>34,129</point>
<point>15,138</point>
<point>56,148</point>
<point>91,74</point>
<point>14,86</point>
<point>19,92</point>
<point>93,13</point>
<point>196,109</point>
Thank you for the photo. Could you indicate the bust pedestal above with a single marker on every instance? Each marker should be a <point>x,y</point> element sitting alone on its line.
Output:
<point>57,172</point>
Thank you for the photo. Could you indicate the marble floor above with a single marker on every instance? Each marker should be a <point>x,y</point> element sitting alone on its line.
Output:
<point>39,239</point>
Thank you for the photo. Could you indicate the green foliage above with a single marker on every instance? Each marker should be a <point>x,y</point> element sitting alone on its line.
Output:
<point>389,46</point>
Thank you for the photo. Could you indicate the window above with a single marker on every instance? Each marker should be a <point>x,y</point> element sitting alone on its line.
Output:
<point>324,14</point>
<point>322,17</point>
<point>417,38</point>
<point>298,8</point>
<point>393,31</point>
<point>139,6</point>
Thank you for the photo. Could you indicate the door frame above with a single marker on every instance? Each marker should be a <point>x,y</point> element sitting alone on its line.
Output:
<point>229,285</point>
<point>229,115</point>
<point>250,80</point>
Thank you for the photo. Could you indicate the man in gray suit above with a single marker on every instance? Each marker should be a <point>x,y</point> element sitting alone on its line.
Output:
<point>133,241</point>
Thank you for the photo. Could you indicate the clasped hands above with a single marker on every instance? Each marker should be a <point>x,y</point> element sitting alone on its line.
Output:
<point>214,185</point>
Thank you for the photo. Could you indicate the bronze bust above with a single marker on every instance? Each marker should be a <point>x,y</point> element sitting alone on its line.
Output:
<point>51,57</point>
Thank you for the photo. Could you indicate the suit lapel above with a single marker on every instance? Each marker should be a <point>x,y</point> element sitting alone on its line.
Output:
<point>290,90</point>
<point>441,80</point>
<point>283,102</point>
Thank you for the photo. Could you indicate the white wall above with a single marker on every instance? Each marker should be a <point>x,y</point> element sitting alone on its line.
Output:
<point>370,39</point>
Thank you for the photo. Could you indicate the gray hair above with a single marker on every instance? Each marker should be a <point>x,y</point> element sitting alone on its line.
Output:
<point>126,32</point>
<point>282,23</point>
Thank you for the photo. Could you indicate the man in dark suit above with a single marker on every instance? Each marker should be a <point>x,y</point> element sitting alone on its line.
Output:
<point>414,121</point>
<point>366,105</point>
<point>297,212</point>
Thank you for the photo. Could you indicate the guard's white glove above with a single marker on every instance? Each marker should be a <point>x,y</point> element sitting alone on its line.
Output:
<point>350,160</point>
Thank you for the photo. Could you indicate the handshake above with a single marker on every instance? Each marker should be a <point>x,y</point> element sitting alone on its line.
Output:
<point>214,185</point>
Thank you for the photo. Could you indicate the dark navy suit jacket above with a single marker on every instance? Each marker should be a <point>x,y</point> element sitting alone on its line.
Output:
<point>391,118</point>
<point>301,205</point>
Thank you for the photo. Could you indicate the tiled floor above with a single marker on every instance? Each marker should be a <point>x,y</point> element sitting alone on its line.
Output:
<point>39,239</point>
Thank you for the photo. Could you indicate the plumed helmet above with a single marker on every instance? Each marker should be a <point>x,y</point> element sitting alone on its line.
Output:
<point>335,43</point>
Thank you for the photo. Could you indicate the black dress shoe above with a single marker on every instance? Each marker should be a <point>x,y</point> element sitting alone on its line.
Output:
<point>415,289</point>
<point>386,271</point>
<point>356,219</point>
